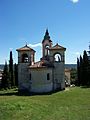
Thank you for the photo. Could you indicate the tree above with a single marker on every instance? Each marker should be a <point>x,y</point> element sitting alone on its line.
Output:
<point>78,72</point>
<point>16,74</point>
<point>11,77</point>
<point>5,77</point>
<point>73,74</point>
<point>88,82</point>
<point>83,70</point>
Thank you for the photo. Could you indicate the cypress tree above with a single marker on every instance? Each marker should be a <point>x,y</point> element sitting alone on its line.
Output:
<point>11,76</point>
<point>16,74</point>
<point>5,77</point>
<point>78,72</point>
<point>85,68</point>
<point>81,69</point>
<point>88,80</point>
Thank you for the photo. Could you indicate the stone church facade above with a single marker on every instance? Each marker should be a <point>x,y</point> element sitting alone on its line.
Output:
<point>45,75</point>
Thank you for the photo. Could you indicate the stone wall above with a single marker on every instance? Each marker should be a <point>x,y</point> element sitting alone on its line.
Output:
<point>39,82</point>
<point>59,74</point>
<point>23,76</point>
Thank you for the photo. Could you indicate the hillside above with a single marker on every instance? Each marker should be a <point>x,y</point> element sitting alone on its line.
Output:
<point>70,66</point>
<point>71,104</point>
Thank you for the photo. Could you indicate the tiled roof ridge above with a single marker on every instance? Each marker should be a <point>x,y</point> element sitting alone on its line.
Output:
<point>26,47</point>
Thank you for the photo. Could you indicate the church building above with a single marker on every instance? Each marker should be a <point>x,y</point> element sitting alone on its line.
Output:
<point>46,75</point>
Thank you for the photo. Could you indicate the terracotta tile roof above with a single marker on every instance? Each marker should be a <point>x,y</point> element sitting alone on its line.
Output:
<point>25,48</point>
<point>57,47</point>
<point>42,64</point>
<point>67,70</point>
<point>37,65</point>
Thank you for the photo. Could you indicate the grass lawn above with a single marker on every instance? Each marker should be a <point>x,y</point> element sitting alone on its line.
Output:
<point>72,104</point>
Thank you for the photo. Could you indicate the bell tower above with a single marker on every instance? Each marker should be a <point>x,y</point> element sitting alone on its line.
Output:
<point>46,43</point>
<point>58,57</point>
<point>25,55</point>
<point>25,59</point>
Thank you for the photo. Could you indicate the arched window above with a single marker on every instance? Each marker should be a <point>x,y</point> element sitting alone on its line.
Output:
<point>46,50</point>
<point>57,57</point>
<point>24,58</point>
<point>48,76</point>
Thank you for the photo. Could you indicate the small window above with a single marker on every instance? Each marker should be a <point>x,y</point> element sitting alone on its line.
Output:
<point>48,76</point>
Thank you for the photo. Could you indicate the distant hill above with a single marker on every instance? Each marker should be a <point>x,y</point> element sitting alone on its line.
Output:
<point>68,66</point>
<point>71,66</point>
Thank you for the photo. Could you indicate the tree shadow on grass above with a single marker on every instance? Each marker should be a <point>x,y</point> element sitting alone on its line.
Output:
<point>25,93</point>
<point>85,86</point>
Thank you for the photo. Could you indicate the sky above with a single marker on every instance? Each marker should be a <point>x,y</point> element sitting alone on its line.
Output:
<point>25,21</point>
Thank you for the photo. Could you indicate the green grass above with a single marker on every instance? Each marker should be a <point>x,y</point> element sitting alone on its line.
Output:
<point>72,104</point>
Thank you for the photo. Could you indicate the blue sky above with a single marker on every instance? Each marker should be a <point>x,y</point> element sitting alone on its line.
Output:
<point>21,21</point>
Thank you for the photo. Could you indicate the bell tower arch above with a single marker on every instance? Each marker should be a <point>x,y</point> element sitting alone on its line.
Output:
<point>26,55</point>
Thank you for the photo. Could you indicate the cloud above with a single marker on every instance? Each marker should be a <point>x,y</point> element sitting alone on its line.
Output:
<point>38,49</point>
<point>74,1</point>
<point>35,45</point>
<point>77,53</point>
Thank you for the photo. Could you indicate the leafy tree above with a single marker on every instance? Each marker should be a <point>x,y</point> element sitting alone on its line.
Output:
<point>73,75</point>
